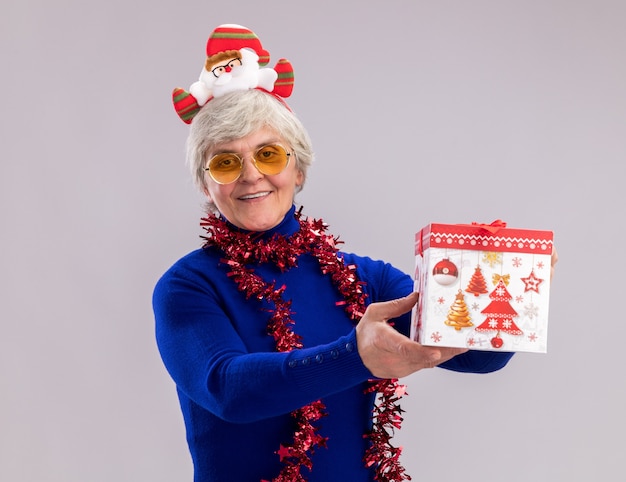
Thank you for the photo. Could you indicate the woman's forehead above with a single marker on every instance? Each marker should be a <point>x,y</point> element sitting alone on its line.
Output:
<point>256,139</point>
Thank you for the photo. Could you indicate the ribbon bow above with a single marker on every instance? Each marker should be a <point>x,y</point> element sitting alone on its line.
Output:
<point>493,228</point>
<point>505,279</point>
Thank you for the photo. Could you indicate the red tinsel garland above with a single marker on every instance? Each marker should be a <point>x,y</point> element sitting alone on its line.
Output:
<point>241,249</point>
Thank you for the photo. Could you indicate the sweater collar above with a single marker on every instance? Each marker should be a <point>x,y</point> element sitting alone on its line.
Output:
<point>288,226</point>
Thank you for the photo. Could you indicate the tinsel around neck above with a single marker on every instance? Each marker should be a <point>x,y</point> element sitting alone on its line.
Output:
<point>242,250</point>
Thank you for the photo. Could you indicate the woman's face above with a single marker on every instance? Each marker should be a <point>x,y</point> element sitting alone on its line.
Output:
<point>255,201</point>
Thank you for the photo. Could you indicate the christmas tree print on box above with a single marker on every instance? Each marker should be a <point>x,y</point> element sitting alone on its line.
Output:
<point>483,287</point>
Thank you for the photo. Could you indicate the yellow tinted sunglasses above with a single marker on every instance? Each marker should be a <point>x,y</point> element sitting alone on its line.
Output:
<point>226,167</point>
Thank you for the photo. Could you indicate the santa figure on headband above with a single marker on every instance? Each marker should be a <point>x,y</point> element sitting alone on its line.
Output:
<point>235,61</point>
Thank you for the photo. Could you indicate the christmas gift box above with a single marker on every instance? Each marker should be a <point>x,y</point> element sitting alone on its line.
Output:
<point>482,287</point>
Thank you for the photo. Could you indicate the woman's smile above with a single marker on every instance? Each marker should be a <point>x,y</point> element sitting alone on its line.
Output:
<point>255,196</point>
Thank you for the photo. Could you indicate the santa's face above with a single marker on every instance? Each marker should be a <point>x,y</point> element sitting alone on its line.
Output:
<point>255,201</point>
<point>226,67</point>
<point>221,66</point>
<point>227,73</point>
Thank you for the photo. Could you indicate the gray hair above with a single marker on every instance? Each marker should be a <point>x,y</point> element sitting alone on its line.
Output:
<point>236,115</point>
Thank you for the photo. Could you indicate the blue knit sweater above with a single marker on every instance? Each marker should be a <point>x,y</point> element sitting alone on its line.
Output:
<point>236,391</point>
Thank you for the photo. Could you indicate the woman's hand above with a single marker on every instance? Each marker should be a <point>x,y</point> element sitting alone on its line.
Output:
<point>388,353</point>
<point>554,260</point>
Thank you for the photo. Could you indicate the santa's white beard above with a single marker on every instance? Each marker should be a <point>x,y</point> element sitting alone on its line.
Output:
<point>240,78</point>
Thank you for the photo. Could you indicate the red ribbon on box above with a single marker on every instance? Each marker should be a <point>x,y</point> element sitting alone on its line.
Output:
<point>493,228</point>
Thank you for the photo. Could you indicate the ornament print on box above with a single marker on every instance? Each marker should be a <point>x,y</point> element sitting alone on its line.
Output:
<point>445,272</point>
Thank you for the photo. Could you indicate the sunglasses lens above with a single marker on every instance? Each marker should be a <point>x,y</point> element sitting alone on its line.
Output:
<point>271,159</point>
<point>225,168</point>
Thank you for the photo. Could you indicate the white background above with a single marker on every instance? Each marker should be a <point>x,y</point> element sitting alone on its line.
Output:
<point>446,111</point>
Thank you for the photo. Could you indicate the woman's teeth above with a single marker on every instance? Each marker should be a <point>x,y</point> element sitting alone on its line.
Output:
<point>255,195</point>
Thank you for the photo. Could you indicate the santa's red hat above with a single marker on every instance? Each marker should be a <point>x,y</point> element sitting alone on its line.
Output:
<point>235,37</point>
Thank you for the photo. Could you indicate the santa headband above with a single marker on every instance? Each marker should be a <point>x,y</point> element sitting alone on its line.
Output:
<point>235,61</point>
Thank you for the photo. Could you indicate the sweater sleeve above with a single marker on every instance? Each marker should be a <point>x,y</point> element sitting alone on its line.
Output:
<point>387,283</point>
<point>212,365</point>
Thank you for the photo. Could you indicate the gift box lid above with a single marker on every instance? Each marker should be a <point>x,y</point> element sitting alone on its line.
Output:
<point>485,237</point>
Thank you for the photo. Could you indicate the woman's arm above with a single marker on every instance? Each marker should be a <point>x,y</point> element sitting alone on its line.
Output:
<point>241,380</point>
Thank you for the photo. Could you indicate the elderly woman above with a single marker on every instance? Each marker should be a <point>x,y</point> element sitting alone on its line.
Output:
<point>278,342</point>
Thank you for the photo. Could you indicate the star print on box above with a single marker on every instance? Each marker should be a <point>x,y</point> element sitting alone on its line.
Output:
<point>532,282</point>
<point>504,274</point>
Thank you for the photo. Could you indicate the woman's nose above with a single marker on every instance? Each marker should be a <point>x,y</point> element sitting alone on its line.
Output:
<point>249,172</point>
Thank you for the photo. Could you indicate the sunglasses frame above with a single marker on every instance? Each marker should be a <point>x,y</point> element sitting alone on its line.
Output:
<point>253,159</point>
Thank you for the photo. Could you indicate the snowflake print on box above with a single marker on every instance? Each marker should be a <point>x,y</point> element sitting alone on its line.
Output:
<point>483,287</point>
